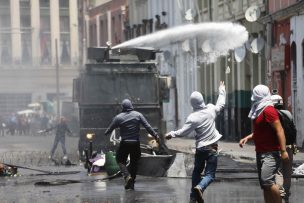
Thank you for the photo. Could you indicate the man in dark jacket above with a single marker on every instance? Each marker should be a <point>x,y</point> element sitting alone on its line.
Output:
<point>61,128</point>
<point>129,123</point>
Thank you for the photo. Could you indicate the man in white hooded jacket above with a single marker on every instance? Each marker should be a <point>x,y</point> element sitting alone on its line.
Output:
<point>202,121</point>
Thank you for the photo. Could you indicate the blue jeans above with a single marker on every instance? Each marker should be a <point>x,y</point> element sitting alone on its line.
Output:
<point>61,139</point>
<point>205,158</point>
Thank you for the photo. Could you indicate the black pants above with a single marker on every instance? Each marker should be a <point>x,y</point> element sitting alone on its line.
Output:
<point>125,149</point>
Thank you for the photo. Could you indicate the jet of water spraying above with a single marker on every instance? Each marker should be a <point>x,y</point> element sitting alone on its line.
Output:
<point>213,36</point>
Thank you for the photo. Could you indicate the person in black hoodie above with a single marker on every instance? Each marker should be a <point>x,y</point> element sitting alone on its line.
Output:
<point>129,122</point>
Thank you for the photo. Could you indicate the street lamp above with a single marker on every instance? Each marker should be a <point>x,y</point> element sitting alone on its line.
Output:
<point>90,137</point>
<point>57,79</point>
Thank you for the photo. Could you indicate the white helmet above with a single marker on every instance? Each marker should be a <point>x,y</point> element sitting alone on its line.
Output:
<point>276,99</point>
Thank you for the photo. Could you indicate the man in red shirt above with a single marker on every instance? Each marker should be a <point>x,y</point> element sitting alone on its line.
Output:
<point>269,139</point>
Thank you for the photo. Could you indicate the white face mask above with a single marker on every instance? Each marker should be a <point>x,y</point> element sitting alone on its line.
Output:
<point>260,98</point>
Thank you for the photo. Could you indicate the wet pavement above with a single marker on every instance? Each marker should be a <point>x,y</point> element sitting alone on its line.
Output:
<point>236,181</point>
<point>80,188</point>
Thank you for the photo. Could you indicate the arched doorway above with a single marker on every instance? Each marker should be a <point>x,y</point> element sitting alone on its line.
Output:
<point>303,60</point>
<point>294,77</point>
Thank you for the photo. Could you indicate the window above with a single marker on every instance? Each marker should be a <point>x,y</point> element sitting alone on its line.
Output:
<point>5,37</point>
<point>65,48</point>
<point>64,3</point>
<point>25,24</point>
<point>5,48</point>
<point>45,3</point>
<point>64,24</point>
<point>45,33</point>
<point>4,3</point>
<point>25,4</point>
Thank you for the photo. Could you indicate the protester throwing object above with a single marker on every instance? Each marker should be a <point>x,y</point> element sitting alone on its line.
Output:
<point>202,121</point>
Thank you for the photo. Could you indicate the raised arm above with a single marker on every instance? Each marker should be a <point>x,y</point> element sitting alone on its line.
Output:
<point>221,98</point>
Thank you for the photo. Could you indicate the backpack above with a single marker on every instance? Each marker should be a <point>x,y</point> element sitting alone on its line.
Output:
<point>288,127</point>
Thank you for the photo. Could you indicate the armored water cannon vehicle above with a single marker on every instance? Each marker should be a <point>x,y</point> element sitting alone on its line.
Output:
<point>110,77</point>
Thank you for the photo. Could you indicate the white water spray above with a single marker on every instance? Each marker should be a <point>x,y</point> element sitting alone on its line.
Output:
<point>216,39</point>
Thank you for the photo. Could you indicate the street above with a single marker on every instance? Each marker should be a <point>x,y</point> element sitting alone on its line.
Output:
<point>80,78</point>
<point>147,189</point>
<point>231,184</point>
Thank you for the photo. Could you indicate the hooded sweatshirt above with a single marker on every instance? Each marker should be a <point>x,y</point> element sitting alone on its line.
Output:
<point>129,122</point>
<point>202,120</point>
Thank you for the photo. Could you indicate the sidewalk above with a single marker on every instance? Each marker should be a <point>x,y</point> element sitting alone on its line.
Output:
<point>231,149</point>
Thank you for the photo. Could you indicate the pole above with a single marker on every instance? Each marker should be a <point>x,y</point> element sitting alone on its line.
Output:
<point>269,29</point>
<point>91,149</point>
<point>43,171</point>
<point>23,167</point>
<point>57,80</point>
<point>84,31</point>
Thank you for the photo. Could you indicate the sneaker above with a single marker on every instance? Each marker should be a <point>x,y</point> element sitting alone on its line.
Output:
<point>129,183</point>
<point>65,157</point>
<point>286,199</point>
<point>199,192</point>
<point>50,157</point>
<point>192,200</point>
<point>132,184</point>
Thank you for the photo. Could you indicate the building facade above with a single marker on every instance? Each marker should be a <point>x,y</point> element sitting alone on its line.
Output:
<point>118,21</point>
<point>241,75</point>
<point>181,60</point>
<point>106,22</point>
<point>297,66</point>
<point>285,21</point>
<point>36,36</point>
<point>273,53</point>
